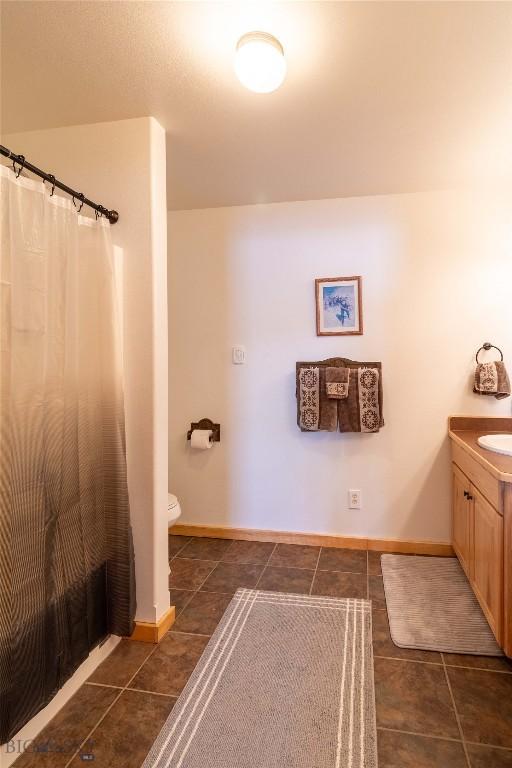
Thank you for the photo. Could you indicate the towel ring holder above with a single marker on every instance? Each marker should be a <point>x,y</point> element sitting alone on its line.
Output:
<point>487,346</point>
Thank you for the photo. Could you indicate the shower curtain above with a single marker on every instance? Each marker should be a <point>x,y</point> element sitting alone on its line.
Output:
<point>66,554</point>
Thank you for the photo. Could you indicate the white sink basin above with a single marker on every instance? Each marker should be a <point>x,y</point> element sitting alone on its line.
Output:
<point>497,443</point>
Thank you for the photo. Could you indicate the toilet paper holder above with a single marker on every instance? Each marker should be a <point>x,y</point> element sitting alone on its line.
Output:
<point>206,424</point>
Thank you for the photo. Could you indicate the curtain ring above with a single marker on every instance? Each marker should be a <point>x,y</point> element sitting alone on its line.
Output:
<point>52,179</point>
<point>81,198</point>
<point>21,165</point>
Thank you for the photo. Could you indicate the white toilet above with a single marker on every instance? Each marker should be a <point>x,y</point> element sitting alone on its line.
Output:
<point>173,512</point>
<point>173,509</point>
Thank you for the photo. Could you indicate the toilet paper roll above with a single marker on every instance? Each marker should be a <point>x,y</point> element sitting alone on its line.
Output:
<point>200,439</point>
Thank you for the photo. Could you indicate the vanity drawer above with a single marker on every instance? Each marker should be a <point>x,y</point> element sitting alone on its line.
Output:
<point>487,484</point>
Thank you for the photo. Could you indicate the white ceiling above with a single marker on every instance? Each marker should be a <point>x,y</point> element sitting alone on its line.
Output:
<point>380,97</point>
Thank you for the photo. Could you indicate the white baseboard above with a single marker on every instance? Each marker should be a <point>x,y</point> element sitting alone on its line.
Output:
<point>41,720</point>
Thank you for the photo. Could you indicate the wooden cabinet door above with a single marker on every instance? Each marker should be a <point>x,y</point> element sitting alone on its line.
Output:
<point>462,522</point>
<point>487,578</point>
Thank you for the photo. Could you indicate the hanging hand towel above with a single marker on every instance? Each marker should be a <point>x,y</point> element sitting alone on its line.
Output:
<point>348,409</point>
<point>362,410</point>
<point>337,381</point>
<point>309,399</point>
<point>492,379</point>
<point>328,406</point>
<point>369,411</point>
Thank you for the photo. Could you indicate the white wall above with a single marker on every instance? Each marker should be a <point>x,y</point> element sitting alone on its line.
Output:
<point>437,272</point>
<point>122,165</point>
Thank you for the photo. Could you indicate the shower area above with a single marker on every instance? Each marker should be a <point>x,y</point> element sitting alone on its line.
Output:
<point>67,575</point>
<point>83,408</point>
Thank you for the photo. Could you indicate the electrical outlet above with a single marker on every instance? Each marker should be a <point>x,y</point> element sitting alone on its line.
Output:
<point>354,499</point>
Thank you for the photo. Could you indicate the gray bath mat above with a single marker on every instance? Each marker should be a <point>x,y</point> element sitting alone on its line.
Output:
<point>284,680</point>
<point>431,606</point>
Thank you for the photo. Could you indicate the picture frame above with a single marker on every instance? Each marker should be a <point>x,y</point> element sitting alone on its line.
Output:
<point>339,307</point>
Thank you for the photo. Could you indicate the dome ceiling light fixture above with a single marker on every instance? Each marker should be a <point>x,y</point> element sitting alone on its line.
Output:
<point>259,62</point>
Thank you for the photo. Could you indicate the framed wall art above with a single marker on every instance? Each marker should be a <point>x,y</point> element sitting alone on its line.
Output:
<point>339,309</point>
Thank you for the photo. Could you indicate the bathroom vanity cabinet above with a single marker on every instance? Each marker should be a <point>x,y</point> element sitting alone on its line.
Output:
<point>482,519</point>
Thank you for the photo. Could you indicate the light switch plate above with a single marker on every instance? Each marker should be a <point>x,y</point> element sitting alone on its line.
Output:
<point>238,355</point>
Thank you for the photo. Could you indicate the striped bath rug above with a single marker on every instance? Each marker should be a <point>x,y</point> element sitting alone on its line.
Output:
<point>286,680</point>
<point>431,606</point>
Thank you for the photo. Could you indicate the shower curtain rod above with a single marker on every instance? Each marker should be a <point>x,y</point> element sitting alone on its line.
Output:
<point>19,160</point>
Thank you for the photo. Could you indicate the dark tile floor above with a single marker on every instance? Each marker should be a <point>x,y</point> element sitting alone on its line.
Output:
<point>433,710</point>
